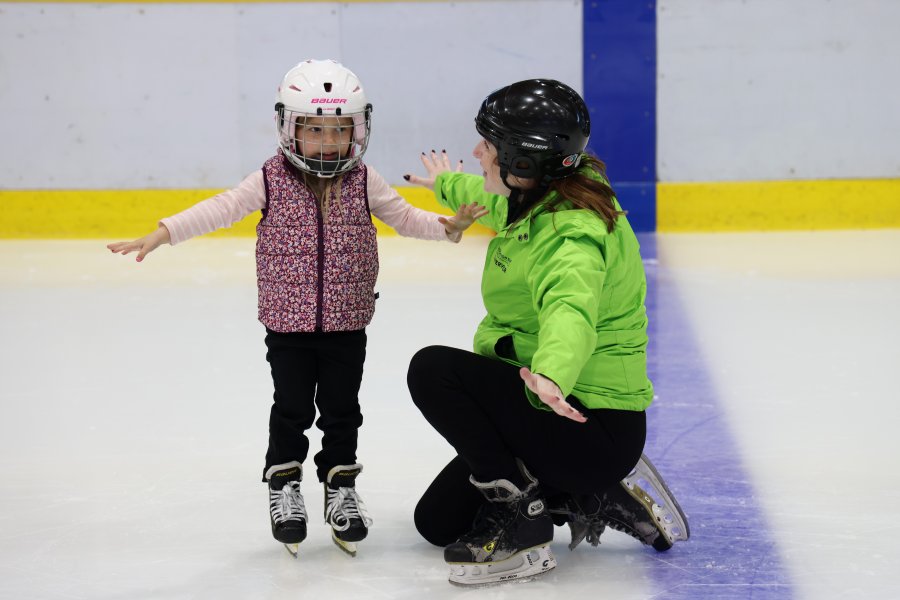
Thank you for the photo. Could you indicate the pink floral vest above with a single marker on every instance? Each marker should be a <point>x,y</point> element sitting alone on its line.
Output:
<point>314,275</point>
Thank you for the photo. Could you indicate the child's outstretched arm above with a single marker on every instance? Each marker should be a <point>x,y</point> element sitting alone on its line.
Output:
<point>465,215</point>
<point>408,220</point>
<point>222,210</point>
<point>143,246</point>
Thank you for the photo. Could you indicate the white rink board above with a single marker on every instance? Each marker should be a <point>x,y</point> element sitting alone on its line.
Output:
<point>182,95</point>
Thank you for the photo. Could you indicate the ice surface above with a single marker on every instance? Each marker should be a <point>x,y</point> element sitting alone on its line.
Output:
<point>135,401</point>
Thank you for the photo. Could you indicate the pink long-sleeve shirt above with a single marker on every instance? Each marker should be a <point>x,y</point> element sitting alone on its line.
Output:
<point>229,207</point>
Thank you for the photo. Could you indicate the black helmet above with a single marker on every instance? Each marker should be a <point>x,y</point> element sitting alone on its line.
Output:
<point>539,127</point>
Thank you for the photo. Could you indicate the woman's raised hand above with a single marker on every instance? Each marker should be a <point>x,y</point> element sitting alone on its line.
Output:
<point>550,394</point>
<point>143,246</point>
<point>435,164</point>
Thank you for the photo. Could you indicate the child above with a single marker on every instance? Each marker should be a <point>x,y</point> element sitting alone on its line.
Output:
<point>317,262</point>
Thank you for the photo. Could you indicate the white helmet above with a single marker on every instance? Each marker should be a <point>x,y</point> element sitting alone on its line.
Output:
<point>314,94</point>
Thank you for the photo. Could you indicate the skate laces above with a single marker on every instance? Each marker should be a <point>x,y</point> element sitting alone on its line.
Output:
<point>287,504</point>
<point>632,511</point>
<point>582,526</point>
<point>345,505</point>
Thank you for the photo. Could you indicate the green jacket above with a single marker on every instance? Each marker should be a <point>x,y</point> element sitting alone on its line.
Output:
<point>570,294</point>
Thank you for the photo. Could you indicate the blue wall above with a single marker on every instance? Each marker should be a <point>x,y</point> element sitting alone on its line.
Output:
<point>620,91</point>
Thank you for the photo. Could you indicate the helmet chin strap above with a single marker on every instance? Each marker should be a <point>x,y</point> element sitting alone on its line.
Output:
<point>504,172</point>
<point>543,180</point>
<point>518,194</point>
<point>520,201</point>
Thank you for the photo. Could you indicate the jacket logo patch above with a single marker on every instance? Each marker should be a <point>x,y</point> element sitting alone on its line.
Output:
<point>501,260</point>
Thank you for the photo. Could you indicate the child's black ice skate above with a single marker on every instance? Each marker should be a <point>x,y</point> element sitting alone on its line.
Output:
<point>287,511</point>
<point>641,505</point>
<point>510,539</point>
<point>344,509</point>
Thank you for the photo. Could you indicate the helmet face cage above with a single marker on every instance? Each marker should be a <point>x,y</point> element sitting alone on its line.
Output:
<point>539,127</point>
<point>324,145</point>
<point>323,121</point>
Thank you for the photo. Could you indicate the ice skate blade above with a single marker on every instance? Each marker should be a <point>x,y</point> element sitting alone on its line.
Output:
<point>294,549</point>
<point>670,519</point>
<point>348,547</point>
<point>524,566</point>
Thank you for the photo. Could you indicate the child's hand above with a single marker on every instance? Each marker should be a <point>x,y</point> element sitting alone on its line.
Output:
<point>144,245</point>
<point>464,217</point>
<point>550,394</point>
<point>435,164</point>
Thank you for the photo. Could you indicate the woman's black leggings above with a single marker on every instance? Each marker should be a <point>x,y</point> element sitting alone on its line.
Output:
<point>479,405</point>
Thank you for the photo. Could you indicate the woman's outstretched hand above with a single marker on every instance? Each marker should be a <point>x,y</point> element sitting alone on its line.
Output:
<point>464,217</point>
<point>435,164</point>
<point>550,394</point>
<point>143,246</point>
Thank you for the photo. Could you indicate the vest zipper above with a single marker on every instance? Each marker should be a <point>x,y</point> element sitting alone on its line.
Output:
<point>320,265</point>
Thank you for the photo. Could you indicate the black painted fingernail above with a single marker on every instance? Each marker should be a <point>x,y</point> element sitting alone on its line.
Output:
<point>406,177</point>
<point>444,151</point>
<point>423,154</point>
<point>432,150</point>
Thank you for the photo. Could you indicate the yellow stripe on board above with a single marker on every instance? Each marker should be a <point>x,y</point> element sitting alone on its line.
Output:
<point>125,214</point>
<point>778,205</point>
<point>681,207</point>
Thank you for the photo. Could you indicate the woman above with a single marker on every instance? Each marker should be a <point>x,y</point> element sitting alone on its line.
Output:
<point>547,415</point>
